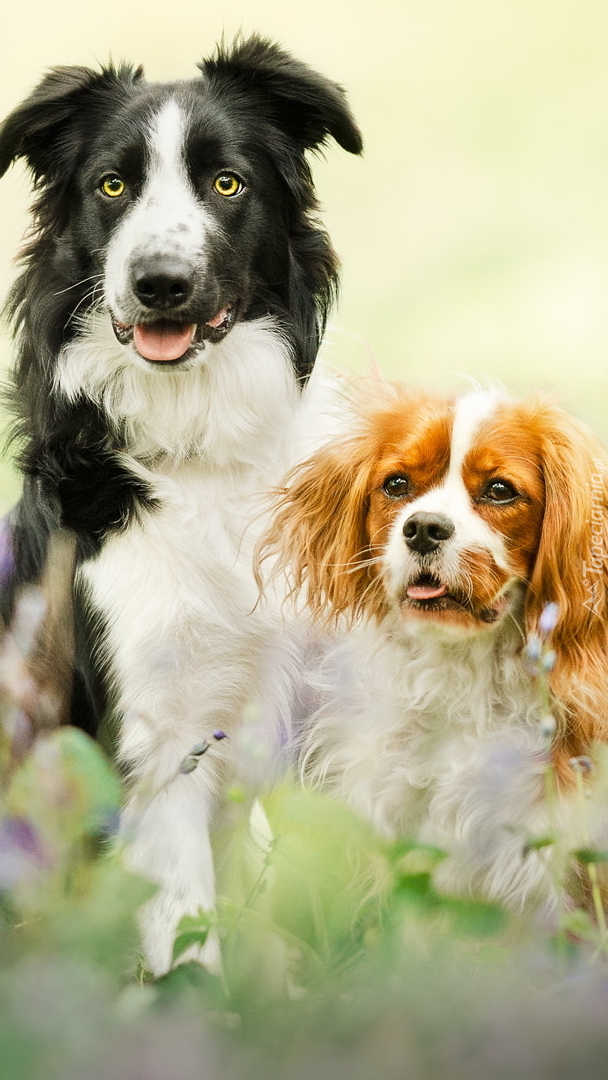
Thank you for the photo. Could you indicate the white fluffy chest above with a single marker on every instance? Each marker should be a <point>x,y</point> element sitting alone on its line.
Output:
<point>177,598</point>
<point>438,745</point>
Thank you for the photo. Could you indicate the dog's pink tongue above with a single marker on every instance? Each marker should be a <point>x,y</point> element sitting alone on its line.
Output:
<point>426,592</point>
<point>163,341</point>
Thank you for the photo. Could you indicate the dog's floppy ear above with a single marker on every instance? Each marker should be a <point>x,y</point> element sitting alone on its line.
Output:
<point>49,128</point>
<point>571,569</point>
<point>308,106</point>
<point>319,535</point>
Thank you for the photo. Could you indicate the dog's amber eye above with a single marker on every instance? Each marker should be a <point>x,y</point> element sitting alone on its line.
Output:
<point>228,184</point>
<point>112,186</point>
<point>396,487</point>
<point>499,491</point>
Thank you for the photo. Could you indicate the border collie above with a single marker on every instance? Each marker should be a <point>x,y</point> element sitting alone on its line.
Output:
<point>173,296</point>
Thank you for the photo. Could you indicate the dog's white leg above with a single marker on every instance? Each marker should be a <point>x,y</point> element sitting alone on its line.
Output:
<point>165,830</point>
<point>184,652</point>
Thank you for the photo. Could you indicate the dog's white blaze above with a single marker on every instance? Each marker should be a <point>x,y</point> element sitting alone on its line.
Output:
<point>166,220</point>
<point>451,499</point>
<point>471,411</point>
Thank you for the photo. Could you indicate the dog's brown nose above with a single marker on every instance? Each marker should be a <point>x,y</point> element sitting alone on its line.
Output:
<point>424,532</point>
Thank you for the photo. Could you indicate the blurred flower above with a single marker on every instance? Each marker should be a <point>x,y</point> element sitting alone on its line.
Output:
<point>193,757</point>
<point>533,647</point>
<point>30,609</point>
<point>581,764</point>
<point>548,660</point>
<point>547,726</point>
<point>7,559</point>
<point>21,852</point>
<point>199,749</point>
<point>188,765</point>
<point>548,618</point>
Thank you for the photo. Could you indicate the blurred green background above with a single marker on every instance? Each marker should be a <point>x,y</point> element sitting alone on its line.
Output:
<point>473,233</point>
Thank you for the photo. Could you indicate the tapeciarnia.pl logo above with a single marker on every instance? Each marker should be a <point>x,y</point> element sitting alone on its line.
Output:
<point>594,570</point>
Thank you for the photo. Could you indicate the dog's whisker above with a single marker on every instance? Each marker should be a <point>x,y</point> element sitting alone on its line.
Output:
<point>77,284</point>
<point>88,301</point>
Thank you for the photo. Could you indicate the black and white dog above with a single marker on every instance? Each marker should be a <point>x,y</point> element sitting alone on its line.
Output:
<point>170,308</point>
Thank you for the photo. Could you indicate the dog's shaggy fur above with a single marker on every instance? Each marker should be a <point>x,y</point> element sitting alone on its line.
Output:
<point>443,533</point>
<point>174,291</point>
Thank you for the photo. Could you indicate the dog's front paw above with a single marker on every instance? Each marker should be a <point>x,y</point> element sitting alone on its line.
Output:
<point>159,920</point>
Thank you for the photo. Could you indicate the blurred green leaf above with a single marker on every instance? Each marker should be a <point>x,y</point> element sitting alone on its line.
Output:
<point>590,855</point>
<point>95,920</point>
<point>66,786</point>
<point>537,843</point>
<point>474,917</point>
<point>418,857</point>
<point>414,886</point>
<point>192,930</point>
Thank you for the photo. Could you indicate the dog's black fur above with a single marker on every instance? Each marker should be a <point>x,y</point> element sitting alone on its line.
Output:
<point>268,110</point>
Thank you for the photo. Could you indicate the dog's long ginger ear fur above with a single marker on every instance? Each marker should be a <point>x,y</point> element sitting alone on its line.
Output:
<point>318,532</point>
<point>571,569</point>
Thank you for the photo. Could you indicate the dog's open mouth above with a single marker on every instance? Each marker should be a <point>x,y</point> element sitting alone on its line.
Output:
<point>427,594</point>
<point>166,341</point>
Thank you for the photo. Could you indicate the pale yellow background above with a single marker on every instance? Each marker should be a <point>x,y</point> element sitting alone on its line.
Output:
<point>474,232</point>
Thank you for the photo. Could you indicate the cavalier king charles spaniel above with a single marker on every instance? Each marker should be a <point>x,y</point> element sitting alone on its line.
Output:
<point>432,537</point>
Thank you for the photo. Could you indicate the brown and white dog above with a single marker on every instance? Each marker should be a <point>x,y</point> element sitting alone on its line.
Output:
<point>435,533</point>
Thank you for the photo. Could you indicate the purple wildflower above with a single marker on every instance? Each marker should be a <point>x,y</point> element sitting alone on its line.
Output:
<point>7,558</point>
<point>548,660</point>
<point>548,726</point>
<point>21,852</point>
<point>548,618</point>
<point>581,764</point>
<point>533,647</point>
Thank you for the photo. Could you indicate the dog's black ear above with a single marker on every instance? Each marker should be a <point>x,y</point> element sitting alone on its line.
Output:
<point>308,106</point>
<point>49,127</point>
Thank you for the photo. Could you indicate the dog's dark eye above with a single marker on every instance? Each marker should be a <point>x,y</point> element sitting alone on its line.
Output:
<point>228,184</point>
<point>396,487</point>
<point>112,186</point>
<point>499,491</point>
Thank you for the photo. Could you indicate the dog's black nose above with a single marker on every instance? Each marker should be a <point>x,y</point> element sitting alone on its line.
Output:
<point>424,532</point>
<point>161,285</point>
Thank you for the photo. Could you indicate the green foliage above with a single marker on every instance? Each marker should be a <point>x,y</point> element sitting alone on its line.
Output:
<point>340,956</point>
<point>193,930</point>
<point>68,894</point>
<point>66,787</point>
<point>590,855</point>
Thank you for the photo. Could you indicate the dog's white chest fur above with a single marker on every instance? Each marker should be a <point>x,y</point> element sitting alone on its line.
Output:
<point>177,594</point>
<point>443,745</point>
<point>187,645</point>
